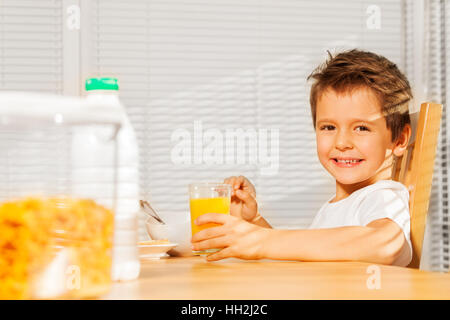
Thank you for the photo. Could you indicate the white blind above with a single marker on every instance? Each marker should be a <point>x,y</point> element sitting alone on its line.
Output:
<point>31,45</point>
<point>446,131</point>
<point>408,29</point>
<point>226,65</point>
<point>438,41</point>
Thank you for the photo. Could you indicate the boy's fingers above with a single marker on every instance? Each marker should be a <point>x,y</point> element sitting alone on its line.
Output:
<point>228,180</point>
<point>233,181</point>
<point>246,197</point>
<point>246,184</point>
<point>222,254</point>
<point>215,243</point>
<point>209,233</point>
<point>212,218</point>
<point>235,184</point>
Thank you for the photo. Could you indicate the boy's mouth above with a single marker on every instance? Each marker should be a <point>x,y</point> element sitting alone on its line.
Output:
<point>347,162</point>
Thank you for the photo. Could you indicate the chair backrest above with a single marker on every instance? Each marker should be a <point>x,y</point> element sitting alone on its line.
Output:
<point>415,170</point>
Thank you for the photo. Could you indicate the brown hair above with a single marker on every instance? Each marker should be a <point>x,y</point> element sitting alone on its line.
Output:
<point>354,69</point>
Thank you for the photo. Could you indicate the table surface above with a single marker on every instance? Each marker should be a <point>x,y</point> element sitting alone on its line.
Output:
<point>194,278</point>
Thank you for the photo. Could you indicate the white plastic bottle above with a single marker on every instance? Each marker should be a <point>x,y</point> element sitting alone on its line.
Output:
<point>125,265</point>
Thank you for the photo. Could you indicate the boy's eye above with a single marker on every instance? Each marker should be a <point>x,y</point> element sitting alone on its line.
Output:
<point>362,128</point>
<point>327,127</point>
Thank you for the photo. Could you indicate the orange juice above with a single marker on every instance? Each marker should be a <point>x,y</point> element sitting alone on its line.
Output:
<point>206,205</point>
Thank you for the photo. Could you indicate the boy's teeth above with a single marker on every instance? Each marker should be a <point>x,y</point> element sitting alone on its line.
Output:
<point>347,161</point>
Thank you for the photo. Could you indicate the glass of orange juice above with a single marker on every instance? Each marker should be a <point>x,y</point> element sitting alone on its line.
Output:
<point>208,197</point>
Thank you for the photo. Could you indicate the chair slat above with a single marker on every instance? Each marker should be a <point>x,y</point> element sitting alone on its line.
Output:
<point>416,173</point>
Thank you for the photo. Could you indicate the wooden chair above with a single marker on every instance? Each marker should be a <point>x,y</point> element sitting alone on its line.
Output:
<point>415,170</point>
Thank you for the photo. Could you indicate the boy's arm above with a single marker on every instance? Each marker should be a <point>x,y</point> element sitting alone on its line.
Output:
<point>381,241</point>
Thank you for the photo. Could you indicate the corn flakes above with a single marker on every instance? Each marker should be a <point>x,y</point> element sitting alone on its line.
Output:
<point>34,230</point>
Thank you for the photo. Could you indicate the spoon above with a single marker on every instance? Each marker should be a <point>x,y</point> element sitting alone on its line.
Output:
<point>147,208</point>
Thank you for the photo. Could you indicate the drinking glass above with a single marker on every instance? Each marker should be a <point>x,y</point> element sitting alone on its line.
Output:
<point>208,197</point>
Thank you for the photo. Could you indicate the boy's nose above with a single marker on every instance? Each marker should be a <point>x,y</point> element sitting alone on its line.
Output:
<point>343,142</point>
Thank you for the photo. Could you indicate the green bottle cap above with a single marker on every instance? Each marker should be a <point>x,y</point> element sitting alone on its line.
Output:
<point>102,84</point>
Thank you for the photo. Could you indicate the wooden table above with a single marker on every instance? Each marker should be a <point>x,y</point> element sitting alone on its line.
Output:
<point>193,278</point>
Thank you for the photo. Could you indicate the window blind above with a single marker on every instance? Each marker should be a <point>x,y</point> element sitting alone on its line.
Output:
<point>438,40</point>
<point>236,67</point>
<point>31,45</point>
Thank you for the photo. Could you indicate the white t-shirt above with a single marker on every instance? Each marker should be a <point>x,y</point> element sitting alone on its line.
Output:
<point>383,199</point>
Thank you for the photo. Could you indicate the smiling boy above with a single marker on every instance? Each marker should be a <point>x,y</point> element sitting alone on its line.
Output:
<point>359,104</point>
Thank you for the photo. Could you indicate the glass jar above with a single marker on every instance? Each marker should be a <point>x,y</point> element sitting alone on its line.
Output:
<point>57,196</point>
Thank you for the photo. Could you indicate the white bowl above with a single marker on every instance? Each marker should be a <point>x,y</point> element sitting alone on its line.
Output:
<point>154,251</point>
<point>176,231</point>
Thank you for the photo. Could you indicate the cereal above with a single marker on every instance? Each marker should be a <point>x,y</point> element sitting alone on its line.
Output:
<point>34,230</point>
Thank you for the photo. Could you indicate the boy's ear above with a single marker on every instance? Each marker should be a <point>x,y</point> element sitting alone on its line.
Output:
<point>402,141</point>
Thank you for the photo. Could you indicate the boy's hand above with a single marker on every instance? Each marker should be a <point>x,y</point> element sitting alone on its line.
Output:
<point>236,238</point>
<point>243,198</point>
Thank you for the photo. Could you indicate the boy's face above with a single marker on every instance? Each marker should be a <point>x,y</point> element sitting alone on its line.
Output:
<point>353,141</point>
